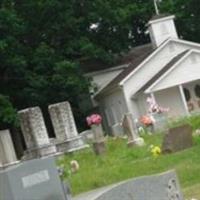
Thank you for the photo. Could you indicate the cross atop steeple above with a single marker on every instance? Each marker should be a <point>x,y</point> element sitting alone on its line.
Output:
<point>156,6</point>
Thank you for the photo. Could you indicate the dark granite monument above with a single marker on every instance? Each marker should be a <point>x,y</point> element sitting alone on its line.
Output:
<point>177,139</point>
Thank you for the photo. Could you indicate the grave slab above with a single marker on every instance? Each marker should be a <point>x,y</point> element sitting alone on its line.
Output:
<point>163,186</point>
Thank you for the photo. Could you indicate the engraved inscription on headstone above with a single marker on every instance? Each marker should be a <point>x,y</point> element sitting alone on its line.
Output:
<point>172,190</point>
<point>36,178</point>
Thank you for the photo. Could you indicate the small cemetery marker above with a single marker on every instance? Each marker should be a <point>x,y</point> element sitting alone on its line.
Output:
<point>177,139</point>
<point>133,137</point>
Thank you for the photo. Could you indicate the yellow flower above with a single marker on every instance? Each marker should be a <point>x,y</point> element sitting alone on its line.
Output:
<point>156,151</point>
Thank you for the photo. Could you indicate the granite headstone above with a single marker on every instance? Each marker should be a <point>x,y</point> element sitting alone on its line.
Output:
<point>177,139</point>
<point>163,186</point>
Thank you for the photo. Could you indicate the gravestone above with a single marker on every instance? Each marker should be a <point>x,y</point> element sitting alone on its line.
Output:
<point>35,133</point>
<point>177,139</point>
<point>163,186</point>
<point>128,126</point>
<point>7,152</point>
<point>35,179</point>
<point>99,140</point>
<point>65,129</point>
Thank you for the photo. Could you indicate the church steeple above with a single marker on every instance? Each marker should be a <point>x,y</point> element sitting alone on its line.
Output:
<point>161,28</point>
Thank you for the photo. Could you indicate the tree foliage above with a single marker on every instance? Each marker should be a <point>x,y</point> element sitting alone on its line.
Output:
<point>43,42</point>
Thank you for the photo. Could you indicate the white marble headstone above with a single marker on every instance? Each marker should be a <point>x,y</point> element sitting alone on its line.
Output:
<point>63,121</point>
<point>7,150</point>
<point>33,127</point>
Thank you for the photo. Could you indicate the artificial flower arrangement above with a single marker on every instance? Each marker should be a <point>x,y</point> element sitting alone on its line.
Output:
<point>94,119</point>
<point>154,107</point>
<point>147,120</point>
<point>155,150</point>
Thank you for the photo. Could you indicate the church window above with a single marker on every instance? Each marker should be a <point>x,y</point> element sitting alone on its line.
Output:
<point>187,94</point>
<point>197,90</point>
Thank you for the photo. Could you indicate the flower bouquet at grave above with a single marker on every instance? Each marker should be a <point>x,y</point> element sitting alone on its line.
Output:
<point>154,107</point>
<point>94,119</point>
<point>147,122</point>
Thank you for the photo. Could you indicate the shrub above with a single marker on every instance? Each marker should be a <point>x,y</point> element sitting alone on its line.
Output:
<point>193,121</point>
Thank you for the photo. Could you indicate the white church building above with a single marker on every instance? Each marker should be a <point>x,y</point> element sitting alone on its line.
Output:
<point>167,69</point>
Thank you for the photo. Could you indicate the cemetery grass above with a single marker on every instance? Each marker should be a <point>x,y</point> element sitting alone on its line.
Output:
<point>121,163</point>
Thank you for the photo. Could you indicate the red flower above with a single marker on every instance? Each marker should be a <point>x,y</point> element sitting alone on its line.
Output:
<point>146,120</point>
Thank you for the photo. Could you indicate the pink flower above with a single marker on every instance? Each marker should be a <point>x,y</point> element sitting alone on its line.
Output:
<point>154,107</point>
<point>146,120</point>
<point>94,119</point>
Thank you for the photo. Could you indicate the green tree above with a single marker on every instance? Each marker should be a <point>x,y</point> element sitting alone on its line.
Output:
<point>187,17</point>
<point>44,42</point>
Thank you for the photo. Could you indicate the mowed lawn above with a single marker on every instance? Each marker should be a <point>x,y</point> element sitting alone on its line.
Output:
<point>121,163</point>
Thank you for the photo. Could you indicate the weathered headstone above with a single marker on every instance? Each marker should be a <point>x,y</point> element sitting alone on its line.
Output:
<point>65,129</point>
<point>157,187</point>
<point>128,126</point>
<point>177,139</point>
<point>99,140</point>
<point>35,133</point>
<point>7,152</point>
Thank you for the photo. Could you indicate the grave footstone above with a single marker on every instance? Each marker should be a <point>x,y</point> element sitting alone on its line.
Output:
<point>163,186</point>
<point>177,139</point>
<point>7,152</point>
<point>65,129</point>
<point>128,126</point>
<point>35,134</point>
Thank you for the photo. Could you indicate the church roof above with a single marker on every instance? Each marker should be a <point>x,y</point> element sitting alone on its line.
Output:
<point>160,16</point>
<point>163,70</point>
<point>135,57</point>
<point>96,65</point>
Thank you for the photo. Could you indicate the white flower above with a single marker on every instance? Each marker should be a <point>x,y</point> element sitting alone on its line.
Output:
<point>74,166</point>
